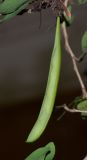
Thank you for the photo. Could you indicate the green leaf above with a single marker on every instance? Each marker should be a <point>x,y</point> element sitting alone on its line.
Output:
<point>43,153</point>
<point>84,42</point>
<point>82,1</point>
<point>83,107</point>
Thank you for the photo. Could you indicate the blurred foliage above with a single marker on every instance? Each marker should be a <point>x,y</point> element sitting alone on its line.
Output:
<point>84,42</point>
<point>82,1</point>
<point>44,153</point>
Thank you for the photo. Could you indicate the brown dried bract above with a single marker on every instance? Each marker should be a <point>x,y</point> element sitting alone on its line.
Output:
<point>57,6</point>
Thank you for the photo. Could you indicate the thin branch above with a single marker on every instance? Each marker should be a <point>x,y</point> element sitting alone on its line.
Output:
<point>81,57</point>
<point>61,116</point>
<point>66,2</point>
<point>85,158</point>
<point>72,55</point>
<point>73,110</point>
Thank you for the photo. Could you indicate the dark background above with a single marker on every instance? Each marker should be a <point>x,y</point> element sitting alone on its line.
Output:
<point>25,51</point>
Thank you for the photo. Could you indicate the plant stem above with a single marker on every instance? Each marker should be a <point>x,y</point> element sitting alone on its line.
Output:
<point>72,55</point>
<point>72,110</point>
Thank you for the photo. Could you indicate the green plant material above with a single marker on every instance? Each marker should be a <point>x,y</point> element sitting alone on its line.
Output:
<point>82,1</point>
<point>1,1</point>
<point>80,104</point>
<point>84,42</point>
<point>76,101</point>
<point>51,89</point>
<point>10,8</point>
<point>83,107</point>
<point>68,19</point>
<point>44,153</point>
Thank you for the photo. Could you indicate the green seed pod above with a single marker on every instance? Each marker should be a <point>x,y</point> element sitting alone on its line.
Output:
<point>51,89</point>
